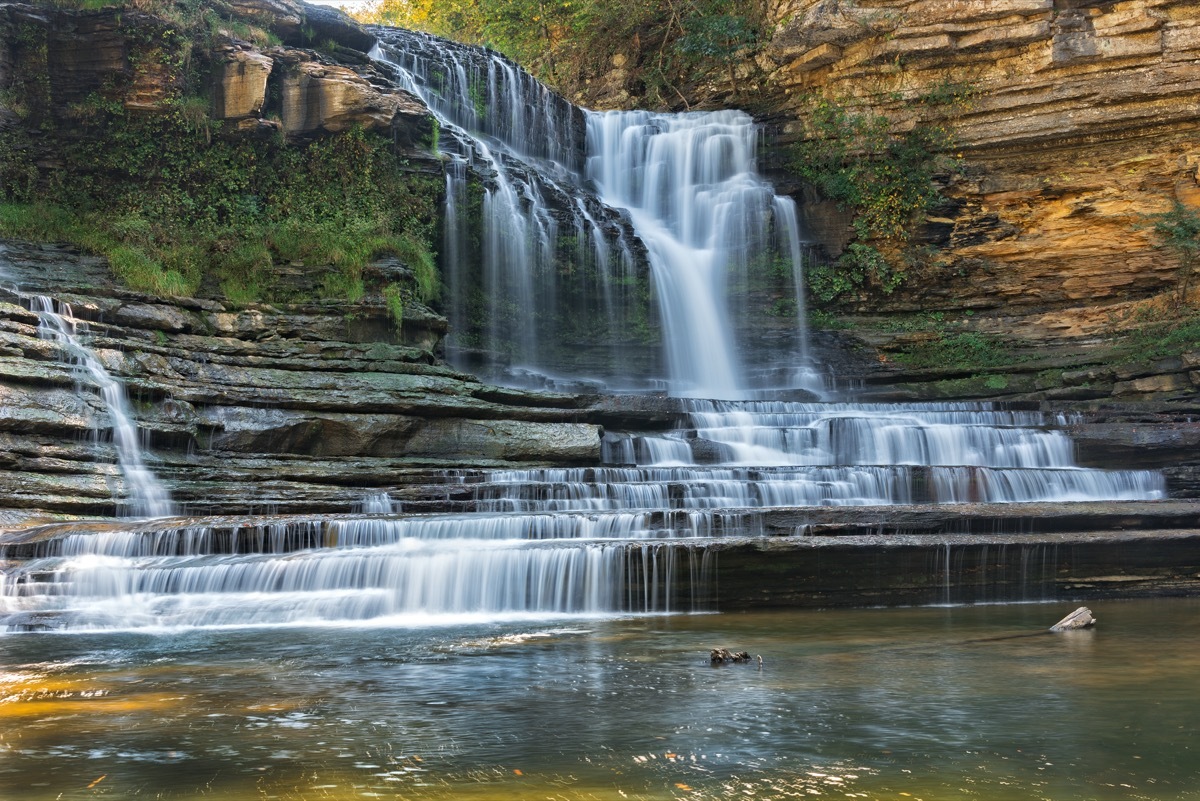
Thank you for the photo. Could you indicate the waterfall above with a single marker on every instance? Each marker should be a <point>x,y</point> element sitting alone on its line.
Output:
<point>563,194</point>
<point>690,186</point>
<point>57,324</point>
<point>396,572</point>
<point>544,203</point>
<point>514,144</point>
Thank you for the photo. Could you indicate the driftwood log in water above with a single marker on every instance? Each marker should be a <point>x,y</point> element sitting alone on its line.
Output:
<point>1081,618</point>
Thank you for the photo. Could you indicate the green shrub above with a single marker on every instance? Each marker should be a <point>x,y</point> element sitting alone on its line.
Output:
<point>1179,232</point>
<point>394,300</point>
<point>854,157</point>
<point>169,205</point>
<point>139,271</point>
<point>967,350</point>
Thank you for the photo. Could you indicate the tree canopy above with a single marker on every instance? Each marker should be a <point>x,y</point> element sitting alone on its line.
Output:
<point>562,41</point>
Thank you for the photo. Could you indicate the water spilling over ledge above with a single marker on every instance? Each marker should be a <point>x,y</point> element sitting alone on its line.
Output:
<point>620,540</point>
<point>721,504</point>
<point>623,206</point>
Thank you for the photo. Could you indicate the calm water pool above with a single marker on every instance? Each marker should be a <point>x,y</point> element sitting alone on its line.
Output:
<point>932,703</point>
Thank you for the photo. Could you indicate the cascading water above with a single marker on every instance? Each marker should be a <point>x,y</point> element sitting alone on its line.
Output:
<point>544,249</point>
<point>684,186</point>
<point>690,186</point>
<point>145,494</point>
<point>631,536</point>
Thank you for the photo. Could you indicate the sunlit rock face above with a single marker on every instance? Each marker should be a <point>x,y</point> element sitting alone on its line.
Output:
<point>1078,123</point>
<point>240,83</point>
<point>331,99</point>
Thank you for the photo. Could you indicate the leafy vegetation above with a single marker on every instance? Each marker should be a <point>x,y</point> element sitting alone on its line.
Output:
<point>172,209</point>
<point>966,350</point>
<point>886,178</point>
<point>565,41</point>
<point>1161,336</point>
<point>1179,233</point>
<point>179,207</point>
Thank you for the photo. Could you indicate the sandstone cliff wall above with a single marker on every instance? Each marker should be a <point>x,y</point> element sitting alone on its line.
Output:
<point>1080,119</point>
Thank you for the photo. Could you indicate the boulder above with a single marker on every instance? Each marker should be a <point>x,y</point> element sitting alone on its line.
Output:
<point>1081,618</point>
<point>329,98</point>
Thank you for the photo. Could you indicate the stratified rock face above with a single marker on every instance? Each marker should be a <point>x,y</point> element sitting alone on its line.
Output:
<point>1081,119</point>
<point>296,407</point>
<point>329,98</point>
<point>240,85</point>
<point>63,58</point>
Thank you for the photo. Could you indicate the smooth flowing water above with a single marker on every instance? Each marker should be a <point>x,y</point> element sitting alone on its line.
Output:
<point>520,649</point>
<point>566,192</point>
<point>936,703</point>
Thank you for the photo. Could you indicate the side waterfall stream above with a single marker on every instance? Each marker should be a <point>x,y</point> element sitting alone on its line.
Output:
<point>520,649</point>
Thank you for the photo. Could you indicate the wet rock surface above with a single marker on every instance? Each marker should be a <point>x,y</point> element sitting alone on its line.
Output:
<point>248,408</point>
<point>906,569</point>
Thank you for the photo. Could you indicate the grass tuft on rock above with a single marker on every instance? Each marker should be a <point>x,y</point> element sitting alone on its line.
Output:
<point>178,209</point>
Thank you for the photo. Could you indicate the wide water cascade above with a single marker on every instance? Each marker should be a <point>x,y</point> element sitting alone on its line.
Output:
<point>618,539</point>
<point>632,535</point>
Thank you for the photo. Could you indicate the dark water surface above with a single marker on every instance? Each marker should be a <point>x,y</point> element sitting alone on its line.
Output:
<point>931,703</point>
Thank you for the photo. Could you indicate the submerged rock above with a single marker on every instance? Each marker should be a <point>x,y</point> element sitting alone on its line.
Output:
<point>719,656</point>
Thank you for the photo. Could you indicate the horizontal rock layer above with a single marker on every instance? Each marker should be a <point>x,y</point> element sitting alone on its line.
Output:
<point>1076,120</point>
<point>297,407</point>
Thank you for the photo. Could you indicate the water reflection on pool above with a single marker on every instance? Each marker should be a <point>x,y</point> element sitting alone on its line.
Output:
<point>897,704</point>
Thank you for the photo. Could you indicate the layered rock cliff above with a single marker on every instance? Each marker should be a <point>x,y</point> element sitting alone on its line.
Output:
<point>305,407</point>
<point>1077,121</point>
